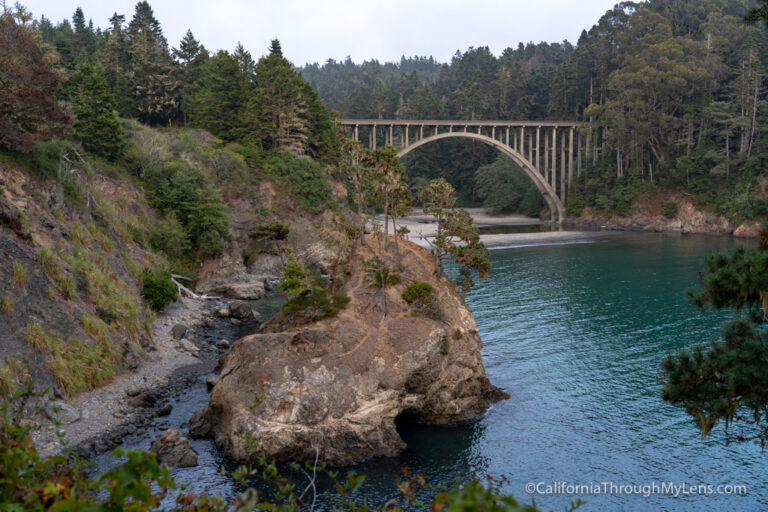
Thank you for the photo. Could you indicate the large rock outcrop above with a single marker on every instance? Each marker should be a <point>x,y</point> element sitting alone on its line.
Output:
<point>336,386</point>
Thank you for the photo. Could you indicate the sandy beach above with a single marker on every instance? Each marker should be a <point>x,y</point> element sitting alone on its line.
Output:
<point>423,228</point>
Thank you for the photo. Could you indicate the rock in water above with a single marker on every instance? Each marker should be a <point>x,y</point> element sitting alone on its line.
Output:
<point>240,309</point>
<point>178,331</point>
<point>173,449</point>
<point>337,385</point>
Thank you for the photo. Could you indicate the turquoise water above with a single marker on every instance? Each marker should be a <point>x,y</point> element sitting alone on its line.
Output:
<point>575,333</point>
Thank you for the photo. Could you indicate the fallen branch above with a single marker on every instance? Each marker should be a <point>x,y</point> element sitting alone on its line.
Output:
<point>187,291</point>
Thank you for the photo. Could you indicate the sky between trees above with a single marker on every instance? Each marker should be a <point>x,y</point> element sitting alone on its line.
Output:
<point>313,31</point>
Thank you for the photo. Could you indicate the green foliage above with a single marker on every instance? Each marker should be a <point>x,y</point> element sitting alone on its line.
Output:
<point>158,289</point>
<point>182,191</point>
<point>76,365</point>
<point>296,280</point>
<point>714,383</point>
<point>306,179</point>
<point>457,334</point>
<point>445,345</point>
<point>669,209</point>
<point>30,113</point>
<point>307,299</point>
<point>379,275</point>
<point>168,235</point>
<point>417,290</point>
<point>318,305</point>
<point>271,230</point>
<point>20,275</point>
<point>504,186</point>
<point>96,123</point>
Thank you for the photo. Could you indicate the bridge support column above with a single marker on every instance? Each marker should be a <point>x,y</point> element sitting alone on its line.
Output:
<point>578,154</point>
<point>538,147</point>
<point>562,168</point>
<point>546,158</point>
<point>553,178</point>
<point>373,137</point>
<point>570,157</point>
<point>405,140</point>
<point>507,136</point>
<point>391,140</point>
<point>357,135</point>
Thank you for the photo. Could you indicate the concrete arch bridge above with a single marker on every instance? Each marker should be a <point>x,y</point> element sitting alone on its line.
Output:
<point>549,152</point>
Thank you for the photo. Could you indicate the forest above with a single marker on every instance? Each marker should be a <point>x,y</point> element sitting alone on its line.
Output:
<point>676,90</point>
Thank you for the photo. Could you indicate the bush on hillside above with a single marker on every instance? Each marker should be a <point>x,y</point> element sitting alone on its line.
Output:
<point>158,289</point>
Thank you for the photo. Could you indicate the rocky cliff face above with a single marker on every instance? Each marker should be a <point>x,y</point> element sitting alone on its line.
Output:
<point>688,219</point>
<point>336,386</point>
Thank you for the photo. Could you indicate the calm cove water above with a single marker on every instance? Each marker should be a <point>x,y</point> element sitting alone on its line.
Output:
<point>575,334</point>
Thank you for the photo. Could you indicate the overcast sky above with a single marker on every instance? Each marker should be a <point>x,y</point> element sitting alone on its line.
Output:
<point>316,30</point>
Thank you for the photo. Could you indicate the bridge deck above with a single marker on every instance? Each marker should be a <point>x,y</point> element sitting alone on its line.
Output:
<point>456,122</point>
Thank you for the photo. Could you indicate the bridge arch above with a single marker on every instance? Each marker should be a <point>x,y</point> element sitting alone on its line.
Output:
<point>555,204</point>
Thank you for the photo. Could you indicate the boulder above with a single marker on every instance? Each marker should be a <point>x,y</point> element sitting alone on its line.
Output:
<point>199,425</point>
<point>210,382</point>
<point>240,309</point>
<point>222,343</point>
<point>338,385</point>
<point>178,331</point>
<point>188,346</point>
<point>748,229</point>
<point>222,313</point>
<point>174,450</point>
<point>62,413</point>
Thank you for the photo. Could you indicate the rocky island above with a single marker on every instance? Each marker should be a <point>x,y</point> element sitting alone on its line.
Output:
<point>335,387</point>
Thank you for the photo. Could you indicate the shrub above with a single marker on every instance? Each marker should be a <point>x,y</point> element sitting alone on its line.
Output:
<point>457,334</point>
<point>445,345</point>
<point>318,305</point>
<point>271,230</point>
<point>417,290</point>
<point>421,297</point>
<point>669,209</point>
<point>379,275</point>
<point>168,236</point>
<point>158,289</point>
<point>6,305</point>
<point>20,276</point>
<point>306,179</point>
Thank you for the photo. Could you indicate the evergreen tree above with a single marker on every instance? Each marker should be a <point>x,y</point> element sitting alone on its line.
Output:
<point>218,100</point>
<point>191,56</point>
<point>96,123</point>
<point>280,105</point>
<point>114,59</point>
<point>724,380</point>
<point>150,71</point>
<point>28,114</point>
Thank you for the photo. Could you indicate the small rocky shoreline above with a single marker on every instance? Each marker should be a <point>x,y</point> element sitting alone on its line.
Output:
<point>189,338</point>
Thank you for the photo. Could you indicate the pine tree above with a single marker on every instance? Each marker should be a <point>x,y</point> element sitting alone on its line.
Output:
<point>151,72</point>
<point>28,114</point>
<point>113,57</point>
<point>280,107</point>
<point>217,102</point>
<point>191,56</point>
<point>96,125</point>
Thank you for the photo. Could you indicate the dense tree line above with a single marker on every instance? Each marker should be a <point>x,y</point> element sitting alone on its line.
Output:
<point>672,94</point>
<point>130,69</point>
